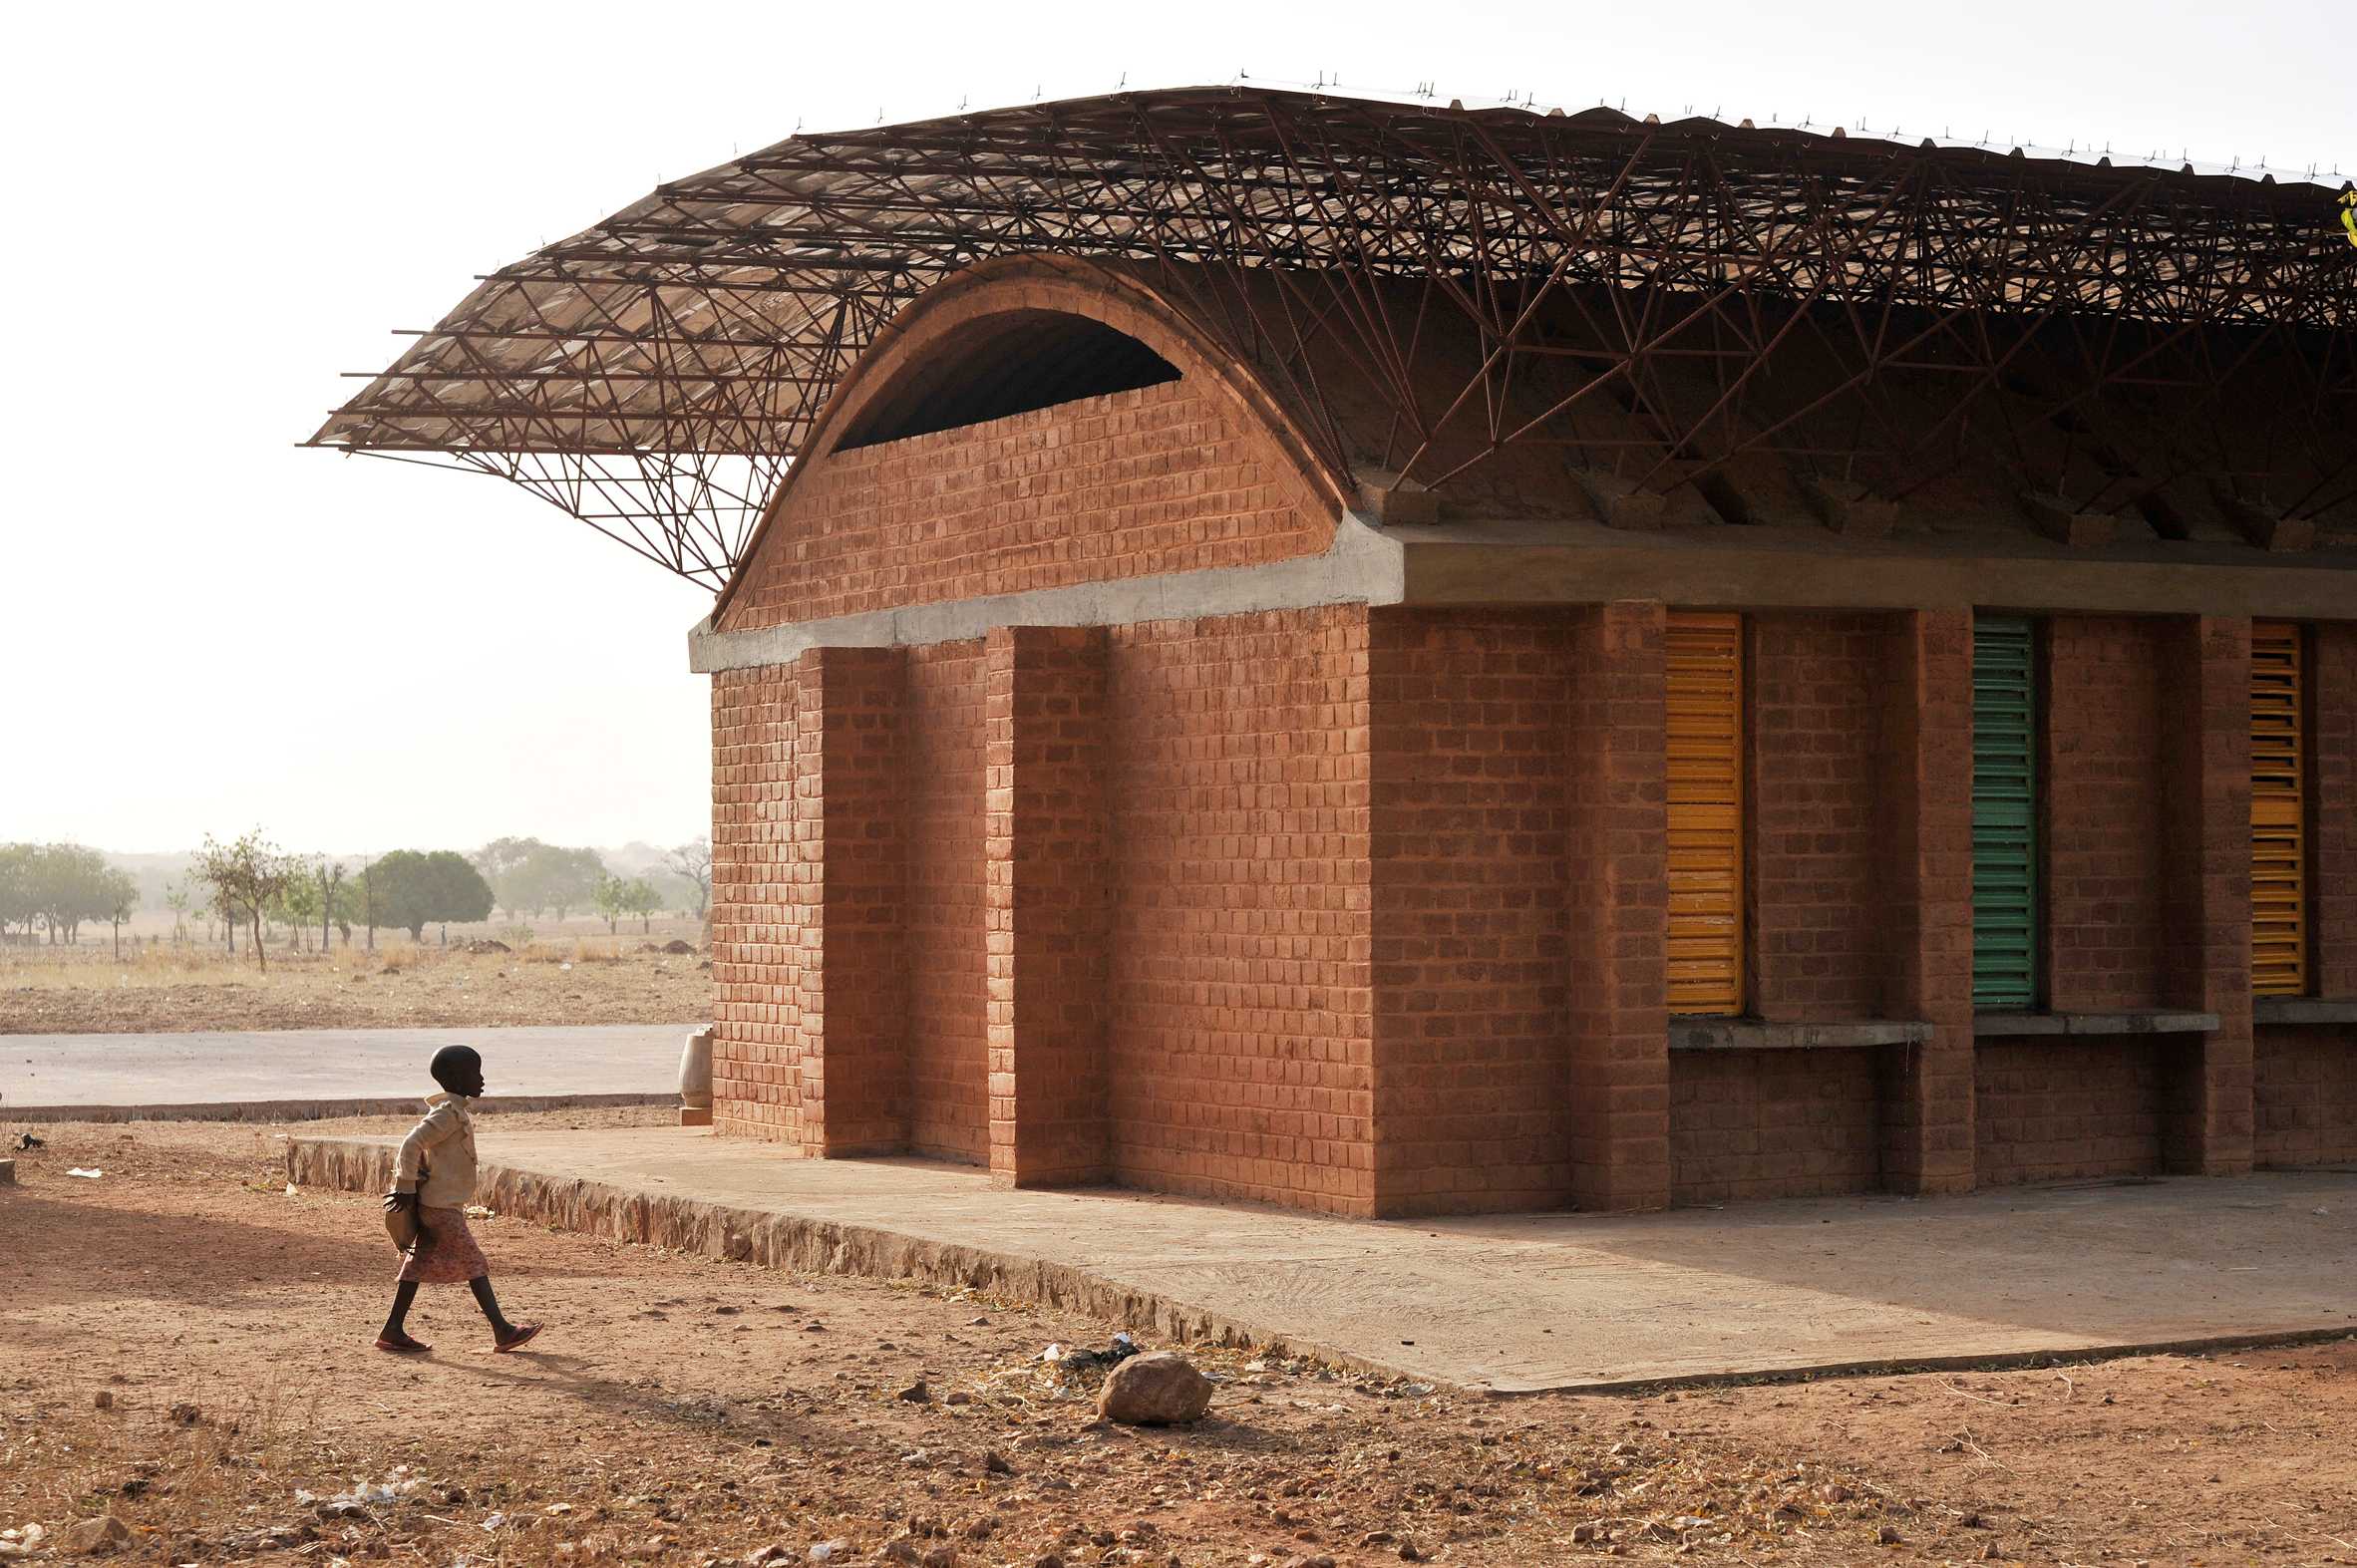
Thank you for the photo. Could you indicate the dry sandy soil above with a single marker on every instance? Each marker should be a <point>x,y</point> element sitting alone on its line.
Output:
<point>185,1343</point>
<point>576,980</point>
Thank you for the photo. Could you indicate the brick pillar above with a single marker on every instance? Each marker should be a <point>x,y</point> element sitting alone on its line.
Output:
<point>1926,830</point>
<point>1047,900</point>
<point>2332,792</point>
<point>2206,760</point>
<point>1619,901</point>
<point>847,866</point>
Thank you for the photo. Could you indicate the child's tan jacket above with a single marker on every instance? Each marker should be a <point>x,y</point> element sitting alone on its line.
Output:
<point>442,1144</point>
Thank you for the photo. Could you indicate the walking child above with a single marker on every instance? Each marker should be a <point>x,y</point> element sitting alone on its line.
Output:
<point>434,1181</point>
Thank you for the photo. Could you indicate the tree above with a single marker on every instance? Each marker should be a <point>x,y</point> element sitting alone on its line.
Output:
<point>331,881</point>
<point>611,900</point>
<point>245,879</point>
<point>176,899</point>
<point>124,902</point>
<point>640,899</point>
<point>16,888</point>
<point>499,861</point>
<point>62,885</point>
<point>296,903</point>
<point>691,862</point>
<point>411,889</point>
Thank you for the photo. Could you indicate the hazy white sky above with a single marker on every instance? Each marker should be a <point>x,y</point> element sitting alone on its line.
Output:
<point>217,208</point>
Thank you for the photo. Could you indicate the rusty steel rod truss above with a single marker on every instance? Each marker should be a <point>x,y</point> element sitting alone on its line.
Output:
<point>654,375</point>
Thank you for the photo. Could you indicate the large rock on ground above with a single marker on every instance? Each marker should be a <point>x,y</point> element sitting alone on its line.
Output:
<point>1161,1388</point>
<point>95,1537</point>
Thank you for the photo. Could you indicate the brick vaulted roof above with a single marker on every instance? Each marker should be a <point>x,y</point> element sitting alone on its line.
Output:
<point>654,374</point>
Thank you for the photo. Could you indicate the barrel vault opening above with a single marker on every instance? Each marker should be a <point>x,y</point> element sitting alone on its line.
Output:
<point>1011,362</point>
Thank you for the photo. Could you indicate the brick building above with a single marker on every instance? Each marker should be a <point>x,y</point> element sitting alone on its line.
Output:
<point>1640,693</point>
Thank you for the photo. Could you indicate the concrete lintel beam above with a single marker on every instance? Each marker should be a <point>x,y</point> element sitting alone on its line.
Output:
<point>1742,1034</point>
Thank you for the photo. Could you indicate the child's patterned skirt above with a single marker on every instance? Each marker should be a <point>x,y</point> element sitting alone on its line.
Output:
<point>445,1254</point>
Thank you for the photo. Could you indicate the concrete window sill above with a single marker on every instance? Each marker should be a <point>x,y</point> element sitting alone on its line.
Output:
<point>2303,1009</point>
<point>2162,1021</point>
<point>1744,1034</point>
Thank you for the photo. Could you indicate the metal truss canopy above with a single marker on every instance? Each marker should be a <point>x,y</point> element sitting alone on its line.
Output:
<point>654,375</point>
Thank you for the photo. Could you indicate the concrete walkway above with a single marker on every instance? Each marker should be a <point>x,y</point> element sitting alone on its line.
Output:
<point>1516,1304</point>
<point>324,1072</point>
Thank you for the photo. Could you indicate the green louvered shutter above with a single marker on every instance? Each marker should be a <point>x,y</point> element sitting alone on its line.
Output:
<point>2004,815</point>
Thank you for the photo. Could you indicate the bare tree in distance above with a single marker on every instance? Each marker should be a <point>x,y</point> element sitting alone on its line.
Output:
<point>246,877</point>
<point>331,880</point>
<point>176,899</point>
<point>692,861</point>
<point>124,902</point>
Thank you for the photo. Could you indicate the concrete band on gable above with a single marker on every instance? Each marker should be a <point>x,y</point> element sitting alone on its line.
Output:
<point>1361,566</point>
<point>1533,565</point>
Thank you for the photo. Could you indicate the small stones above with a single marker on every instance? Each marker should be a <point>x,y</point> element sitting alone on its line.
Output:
<point>185,1414</point>
<point>915,1393</point>
<point>957,1396</point>
<point>837,1551</point>
<point>996,1463</point>
<point>103,1399</point>
<point>1887,1535</point>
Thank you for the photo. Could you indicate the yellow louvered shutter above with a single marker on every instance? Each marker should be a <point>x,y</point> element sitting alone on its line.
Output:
<point>2278,813</point>
<point>1705,813</point>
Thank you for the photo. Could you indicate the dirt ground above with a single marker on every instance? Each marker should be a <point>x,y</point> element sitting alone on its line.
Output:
<point>157,989</point>
<point>185,1343</point>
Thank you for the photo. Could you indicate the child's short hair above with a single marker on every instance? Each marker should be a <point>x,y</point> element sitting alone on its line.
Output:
<point>453,1063</point>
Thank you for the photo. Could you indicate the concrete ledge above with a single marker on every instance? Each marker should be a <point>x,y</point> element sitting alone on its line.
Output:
<point>1361,566</point>
<point>1743,1035</point>
<point>312,1110</point>
<point>2303,1009</point>
<point>2147,1022</point>
<point>812,1246</point>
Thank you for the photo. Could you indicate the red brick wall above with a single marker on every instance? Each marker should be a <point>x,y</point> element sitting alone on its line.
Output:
<point>1619,1001</point>
<point>1926,818</point>
<point>1469,734</point>
<point>851,843</point>
<point>1772,1125</point>
<point>1049,896</point>
<point>2105,819</point>
<point>756,907</point>
<point>1817,908</point>
<point>2050,1109</point>
<point>1239,986</point>
<point>1160,479</point>
<point>941,750</point>
<point>2307,1095</point>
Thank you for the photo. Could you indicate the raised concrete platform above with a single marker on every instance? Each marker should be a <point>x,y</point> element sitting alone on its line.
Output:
<point>1514,1304</point>
<point>272,1075</point>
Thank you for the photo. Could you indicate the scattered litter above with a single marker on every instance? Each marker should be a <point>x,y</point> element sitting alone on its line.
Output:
<point>557,1509</point>
<point>90,1174</point>
<point>1067,1361</point>
<point>363,1495</point>
<point>477,1211</point>
<point>291,1189</point>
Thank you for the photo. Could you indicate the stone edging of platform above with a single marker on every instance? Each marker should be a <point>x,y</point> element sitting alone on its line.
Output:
<point>797,1244</point>
<point>316,1110</point>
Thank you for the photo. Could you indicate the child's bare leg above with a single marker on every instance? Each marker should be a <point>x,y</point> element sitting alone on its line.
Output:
<point>504,1332</point>
<point>395,1332</point>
